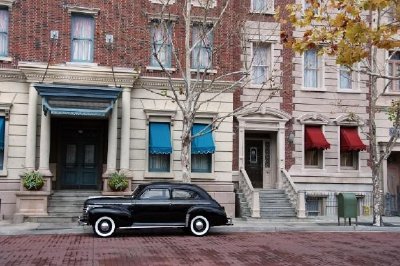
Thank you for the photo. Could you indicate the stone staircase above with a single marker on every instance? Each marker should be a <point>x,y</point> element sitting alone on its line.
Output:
<point>64,206</point>
<point>274,203</point>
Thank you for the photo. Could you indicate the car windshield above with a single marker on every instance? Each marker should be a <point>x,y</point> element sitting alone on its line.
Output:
<point>137,190</point>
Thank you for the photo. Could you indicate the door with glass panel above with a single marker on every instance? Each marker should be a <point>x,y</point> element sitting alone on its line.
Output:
<point>258,162</point>
<point>80,160</point>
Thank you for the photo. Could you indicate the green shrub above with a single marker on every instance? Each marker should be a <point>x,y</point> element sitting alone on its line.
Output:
<point>33,180</point>
<point>117,182</point>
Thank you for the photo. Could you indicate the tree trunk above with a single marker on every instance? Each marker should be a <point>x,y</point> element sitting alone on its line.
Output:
<point>185,153</point>
<point>377,195</point>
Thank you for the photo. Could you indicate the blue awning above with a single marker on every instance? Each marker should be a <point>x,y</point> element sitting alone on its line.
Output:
<point>71,100</point>
<point>204,143</point>
<point>159,138</point>
<point>2,128</point>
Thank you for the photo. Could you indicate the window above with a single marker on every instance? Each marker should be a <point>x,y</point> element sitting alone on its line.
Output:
<point>202,149</point>
<point>2,140</point>
<point>312,69</point>
<point>4,32</point>
<point>394,70</point>
<point>345,78</point>
<point>350,145</point>
<point>261,59</point>
<point>314,144</point>
<point>314,206</point>
<point>184,194</point>
<point>202,39</point>
<point>161,44</point>
<point>159,146</point>
<point>262,6</point>
<point>82,36</point>
<point>156,194</point>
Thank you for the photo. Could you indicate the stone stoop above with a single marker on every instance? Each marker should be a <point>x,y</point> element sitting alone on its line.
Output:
<point>64,206</point>
<point>244,209</point>
<point>274,203</point>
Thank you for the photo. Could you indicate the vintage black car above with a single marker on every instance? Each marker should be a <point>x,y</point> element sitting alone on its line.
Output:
<point>155,205</point>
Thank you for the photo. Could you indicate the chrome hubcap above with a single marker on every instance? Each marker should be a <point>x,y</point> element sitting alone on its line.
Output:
<point>104,226</point>
<point>199,225</point>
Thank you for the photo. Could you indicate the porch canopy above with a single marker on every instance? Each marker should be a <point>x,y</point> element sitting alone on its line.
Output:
<point>204,143</point>
<point>315,139</point>
<point>350,140</point>
<point>76,100</point>
<point>159,138</point>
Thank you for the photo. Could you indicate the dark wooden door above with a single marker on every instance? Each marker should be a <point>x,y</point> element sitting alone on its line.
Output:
<point>254,162</point>
<point>80,159</point>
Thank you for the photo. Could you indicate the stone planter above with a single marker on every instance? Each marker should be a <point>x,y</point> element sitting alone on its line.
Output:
<point>108,192</point>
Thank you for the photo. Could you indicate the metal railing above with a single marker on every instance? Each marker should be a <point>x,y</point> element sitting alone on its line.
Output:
<point>251,195</point>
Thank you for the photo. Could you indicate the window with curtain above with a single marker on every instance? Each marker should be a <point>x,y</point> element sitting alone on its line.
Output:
<point>312,69</point>
<point>82,36</point>
<point>4,14</point>
<point>350,146</point>
<point>260,68</point>
<point>394,70</point>
<point>202,39</point>
<point>161,44</point>
<point>2,140</point>
<point>345,78</point>
<point>159,146</point>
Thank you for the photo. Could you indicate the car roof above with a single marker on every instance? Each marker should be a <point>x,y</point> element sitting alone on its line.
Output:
<point>175,185</point>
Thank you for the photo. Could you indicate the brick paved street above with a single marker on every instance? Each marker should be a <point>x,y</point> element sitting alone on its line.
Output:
<point>175,248</point>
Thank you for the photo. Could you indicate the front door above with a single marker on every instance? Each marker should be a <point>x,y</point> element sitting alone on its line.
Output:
<point>254,162</point>
<point>80,162</point>
<point>258,162</point>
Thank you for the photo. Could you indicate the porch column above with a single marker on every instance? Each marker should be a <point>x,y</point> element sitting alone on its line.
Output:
<point>280,152</point>
<point>241,144</point>
<point>30,154</point>
<point>112,141</point>
<point>125,131</point>
<point>44,166</point>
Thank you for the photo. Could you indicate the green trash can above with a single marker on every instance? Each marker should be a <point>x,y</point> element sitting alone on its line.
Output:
<point>347,207</point>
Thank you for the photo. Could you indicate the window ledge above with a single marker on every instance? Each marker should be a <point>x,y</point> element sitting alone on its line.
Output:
<point>82,64</point>
<point>354,91</point>
<point>153,68</point>
<point>6,58</point>
<point>208,71</point>
<point>268,12</point>
<point>157,175</point>
<point>258,86</point>
<point>392,93</point>
<point>203,176</point>
<point>313,89</point>
<point>3,173</point>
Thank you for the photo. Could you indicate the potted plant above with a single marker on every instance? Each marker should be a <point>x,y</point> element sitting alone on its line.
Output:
<point>33,180</point>
<point>117,182</point>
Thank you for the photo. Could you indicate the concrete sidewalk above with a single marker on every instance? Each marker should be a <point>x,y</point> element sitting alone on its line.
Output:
<point>314,224</point>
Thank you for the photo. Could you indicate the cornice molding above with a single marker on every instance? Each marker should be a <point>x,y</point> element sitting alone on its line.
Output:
<point>314,118</point>
<point>10,74</point>
<point>156,83</point>
<point>92,11</point>
<point>349,120</point>
<point>75,74</point>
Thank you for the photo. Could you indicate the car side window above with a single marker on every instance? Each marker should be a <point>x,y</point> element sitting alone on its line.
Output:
<point>184,194</point>
<point>156,193</point>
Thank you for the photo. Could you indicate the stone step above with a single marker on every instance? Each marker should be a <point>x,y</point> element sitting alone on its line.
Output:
<point>65,209</point>
<point>52,219</point>
<point>60,204</point>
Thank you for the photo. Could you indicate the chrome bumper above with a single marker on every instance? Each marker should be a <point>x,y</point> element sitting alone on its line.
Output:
<point>81,221</point>
<point>229,221</point>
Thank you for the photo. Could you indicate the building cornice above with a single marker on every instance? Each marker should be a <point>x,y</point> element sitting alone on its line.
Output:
<point>10,74</point>
<point>79,74</point>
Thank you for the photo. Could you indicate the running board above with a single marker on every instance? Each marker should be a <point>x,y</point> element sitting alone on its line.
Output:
<point>136,226</point>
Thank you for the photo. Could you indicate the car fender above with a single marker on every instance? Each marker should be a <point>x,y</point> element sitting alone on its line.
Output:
<point>121,217</point>
<point>214,215</point>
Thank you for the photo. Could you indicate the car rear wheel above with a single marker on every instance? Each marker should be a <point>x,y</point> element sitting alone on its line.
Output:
<point>104,226</point>
<point>199,225</point>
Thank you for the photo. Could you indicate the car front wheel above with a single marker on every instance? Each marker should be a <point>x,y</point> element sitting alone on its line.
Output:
<point>104,226</point>
<point>199,225</point>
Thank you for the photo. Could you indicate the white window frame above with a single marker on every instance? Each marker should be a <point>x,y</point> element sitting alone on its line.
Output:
<point>208,69</point>
<point>5,112</point>
<point>269,7</point>
<point>165,116</point>
<point>356,155</point>
<point>321,155</point>
<point>269,46</point>
<point>320,72</point>
<point>390,90</point>
<point>355,79</point>
<point>167,46</point>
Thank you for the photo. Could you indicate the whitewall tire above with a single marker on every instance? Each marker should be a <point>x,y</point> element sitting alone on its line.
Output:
<point>199,225</point>
<point>104,226</point>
